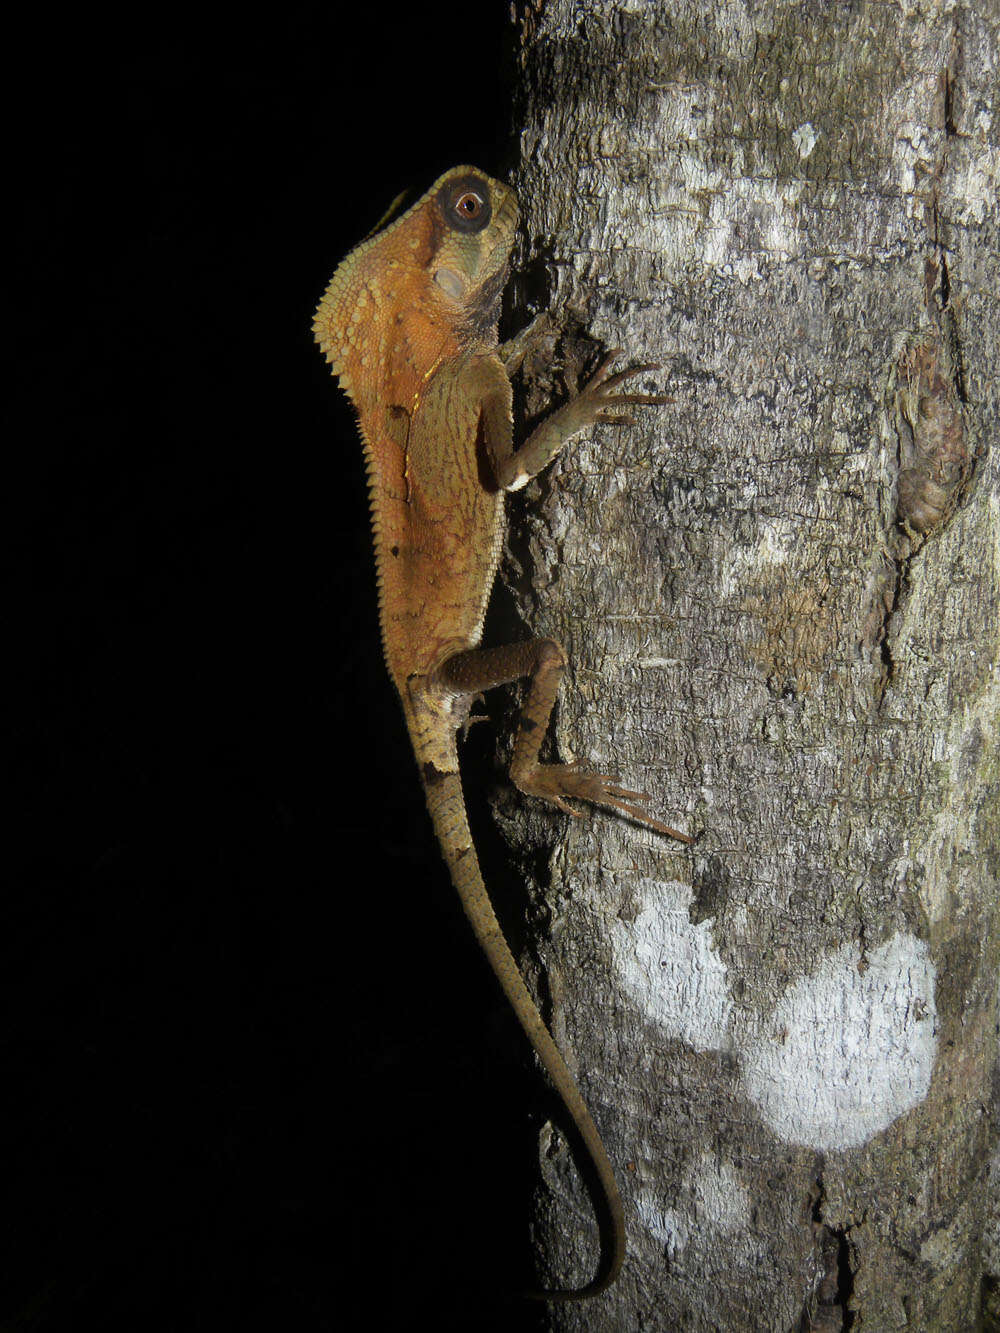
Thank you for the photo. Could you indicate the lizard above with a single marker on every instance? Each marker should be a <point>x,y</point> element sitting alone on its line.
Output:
<point>410,326</point>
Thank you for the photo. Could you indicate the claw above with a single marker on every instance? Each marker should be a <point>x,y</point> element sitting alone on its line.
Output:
<point>554,782</point>
<point>621,375</point>
<point>648,398</point>
<point>609,800</point>
<point>639,814</point>
<point>610,785</point>
<point>567,809</point>
<point>605,406</point>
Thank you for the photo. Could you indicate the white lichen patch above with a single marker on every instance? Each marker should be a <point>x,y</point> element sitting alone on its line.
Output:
<point>849,1048</point>
<point>975,182</point>
<point>718,1198</point>
<point>914,152</point>
<point>804,138</point>
<point>711,1202</point>
<point>846,1050</point>
<point>665,1225</point>
<point>720,219</point>
<point>670,967</point>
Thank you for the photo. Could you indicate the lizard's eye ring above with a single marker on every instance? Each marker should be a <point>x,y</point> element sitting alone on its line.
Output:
<point>465,204</point>
<point>469,205</point>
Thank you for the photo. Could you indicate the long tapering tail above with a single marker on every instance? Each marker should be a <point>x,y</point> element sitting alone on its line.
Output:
<point>447,807</point>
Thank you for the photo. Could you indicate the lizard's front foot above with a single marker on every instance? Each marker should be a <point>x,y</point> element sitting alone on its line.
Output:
<point>596,401</point>
<point>555,782</point>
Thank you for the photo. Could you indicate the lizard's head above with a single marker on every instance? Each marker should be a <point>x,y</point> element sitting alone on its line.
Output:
<point>477,220</point>
<point>423,280</point>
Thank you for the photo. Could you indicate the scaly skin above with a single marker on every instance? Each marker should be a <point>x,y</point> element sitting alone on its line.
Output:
<point>409,325</point>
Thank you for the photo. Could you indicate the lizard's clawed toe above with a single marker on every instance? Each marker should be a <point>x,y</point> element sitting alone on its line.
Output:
<point>555,782</point>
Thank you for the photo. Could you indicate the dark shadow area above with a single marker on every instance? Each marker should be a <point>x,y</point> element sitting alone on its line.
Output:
<point>257,1074</point>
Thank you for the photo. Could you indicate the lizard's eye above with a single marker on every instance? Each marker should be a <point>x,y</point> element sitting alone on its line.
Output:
<point>469,206</point>
<point>465,203</point>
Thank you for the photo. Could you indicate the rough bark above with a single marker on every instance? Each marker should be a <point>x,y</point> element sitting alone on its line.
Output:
<point>780,600</point>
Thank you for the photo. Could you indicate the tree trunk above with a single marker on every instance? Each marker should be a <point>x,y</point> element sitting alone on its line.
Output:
<point>779,597</point>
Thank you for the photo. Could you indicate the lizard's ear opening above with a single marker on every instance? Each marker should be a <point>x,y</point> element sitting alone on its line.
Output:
<point>450,283</point>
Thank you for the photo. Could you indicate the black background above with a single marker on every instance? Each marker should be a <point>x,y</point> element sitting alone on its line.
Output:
<point>256,1073</point>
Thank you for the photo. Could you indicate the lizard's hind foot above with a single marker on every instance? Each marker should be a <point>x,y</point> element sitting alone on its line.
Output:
<point>555,782</point>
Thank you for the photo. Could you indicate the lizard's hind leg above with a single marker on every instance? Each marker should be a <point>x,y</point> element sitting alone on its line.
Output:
<point>544,661</point>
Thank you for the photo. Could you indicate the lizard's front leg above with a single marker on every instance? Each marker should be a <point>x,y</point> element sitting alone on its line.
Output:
<point>599,402</point>
<point>544,661</point>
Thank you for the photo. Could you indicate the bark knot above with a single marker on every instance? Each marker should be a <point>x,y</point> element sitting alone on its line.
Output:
<point>933,456</point>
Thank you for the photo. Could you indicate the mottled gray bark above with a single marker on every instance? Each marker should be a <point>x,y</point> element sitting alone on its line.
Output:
<point>780,601</point>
